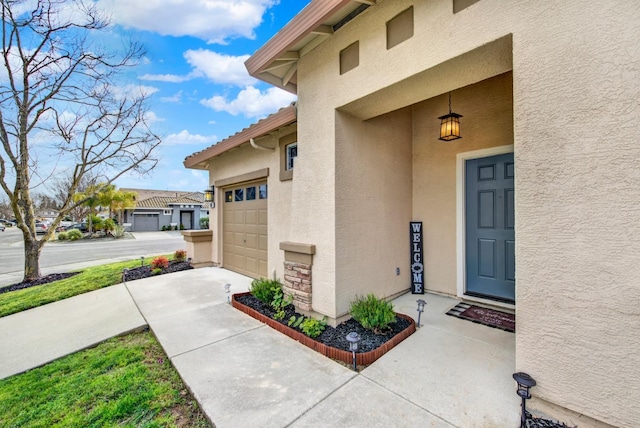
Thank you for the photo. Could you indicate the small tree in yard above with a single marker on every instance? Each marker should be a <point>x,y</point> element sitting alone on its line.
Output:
<point>59,100</point>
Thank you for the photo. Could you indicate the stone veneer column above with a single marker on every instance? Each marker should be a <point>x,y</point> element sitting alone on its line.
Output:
<point>298,260</point>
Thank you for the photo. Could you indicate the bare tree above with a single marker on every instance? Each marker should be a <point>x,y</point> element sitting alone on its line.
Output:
<point>60,96</point>
<point>60,190</point>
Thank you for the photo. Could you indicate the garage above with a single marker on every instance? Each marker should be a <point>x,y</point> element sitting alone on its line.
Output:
<point>245,229</point>
<point>146,222</point>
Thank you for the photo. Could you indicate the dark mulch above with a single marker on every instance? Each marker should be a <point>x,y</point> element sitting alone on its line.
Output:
<point>533,422</point>
<point>40,281</point>
<point>334,337</point>
<point>145,271</point>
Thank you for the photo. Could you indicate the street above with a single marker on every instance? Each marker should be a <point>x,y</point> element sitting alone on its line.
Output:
<point>64,256</point>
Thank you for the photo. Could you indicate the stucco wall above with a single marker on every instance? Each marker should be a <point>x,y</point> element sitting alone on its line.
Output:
<point>373,206</point>
<point>575,96</point>
<point>487,122</point>
<point>246,159</point>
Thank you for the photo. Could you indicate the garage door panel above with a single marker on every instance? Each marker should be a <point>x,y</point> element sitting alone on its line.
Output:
<point>245,235</point>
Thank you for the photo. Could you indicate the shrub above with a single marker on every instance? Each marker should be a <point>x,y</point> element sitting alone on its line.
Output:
<point>279,302</point>
<point>164,227</point>
<point>160,262</point>
<point>204,222</point>
<point>310,326</point>
<point>156,271</point>
<point>262,289</point>
<point>74,235</point>
<point>180,255</point>
<point>371,313</point>
<point>109,225</point>
<point>96,223</point>
<point>181,226</point>
<point>118,231</point>
<point>62,236</point>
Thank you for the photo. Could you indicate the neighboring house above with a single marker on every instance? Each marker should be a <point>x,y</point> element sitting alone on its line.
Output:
<point>534,209</point>
<point>48,215</point>
<point>157,208</point>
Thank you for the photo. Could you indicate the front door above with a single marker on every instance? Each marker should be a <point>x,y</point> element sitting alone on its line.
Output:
<point>490,232</point>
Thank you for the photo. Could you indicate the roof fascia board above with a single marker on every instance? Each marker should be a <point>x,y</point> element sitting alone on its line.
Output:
<point>269,124</point>
<point>303,24</point>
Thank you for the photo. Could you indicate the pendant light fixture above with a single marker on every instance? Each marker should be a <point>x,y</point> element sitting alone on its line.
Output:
<point>450,125</point>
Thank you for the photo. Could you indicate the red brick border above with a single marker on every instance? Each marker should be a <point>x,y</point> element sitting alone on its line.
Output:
<point>364,358</point>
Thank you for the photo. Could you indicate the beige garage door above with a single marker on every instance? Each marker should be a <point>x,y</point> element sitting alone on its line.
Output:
<point>245,229</point>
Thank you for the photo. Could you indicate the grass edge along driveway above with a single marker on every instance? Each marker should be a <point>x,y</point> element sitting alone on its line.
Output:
<point>90,279</point>
<point>125,381</point>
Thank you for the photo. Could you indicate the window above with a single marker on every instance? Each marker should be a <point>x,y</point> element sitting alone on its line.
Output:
<point>167,212</point>
<point>400,28</point>
<point>239,195</point>
<point>228,196</point>
<point>292,154</point>
<point>349,57</point>
<point>262,190</point>
<point>251,193</point>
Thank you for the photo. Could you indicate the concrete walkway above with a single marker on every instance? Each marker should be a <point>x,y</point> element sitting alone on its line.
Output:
<point>450,373</point>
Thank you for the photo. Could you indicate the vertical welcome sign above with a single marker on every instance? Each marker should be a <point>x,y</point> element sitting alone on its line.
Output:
<point>417,267</point>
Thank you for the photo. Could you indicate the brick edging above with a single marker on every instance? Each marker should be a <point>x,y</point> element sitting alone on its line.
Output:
<point>364,358</point>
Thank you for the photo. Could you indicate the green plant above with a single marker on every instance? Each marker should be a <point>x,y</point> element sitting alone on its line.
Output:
<point>280,302</point>
<point>204,222</point>
<point>109,225</point>
<point>62,236</point>
<point>156,271</point>
<point>312,327</point>
<point>74,235</point>
<point>262,289</point>
<point>96,223</point>
<point>118,231</point>
<point>371,313</point>
<point>181,226</point>
<point>180,255</point>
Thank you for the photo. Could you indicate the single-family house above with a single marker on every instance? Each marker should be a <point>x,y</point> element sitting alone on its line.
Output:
<point>534,208</point>
<point>158,209</point>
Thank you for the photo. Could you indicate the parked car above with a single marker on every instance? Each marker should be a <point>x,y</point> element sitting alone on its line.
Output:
<point>6,223</point>
<point>41,228</point>
<point>2,227</point>
<point>82,227</point>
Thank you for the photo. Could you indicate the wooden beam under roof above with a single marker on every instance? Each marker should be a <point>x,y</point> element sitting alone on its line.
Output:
<point>289,74</point>
<point>323,30</point>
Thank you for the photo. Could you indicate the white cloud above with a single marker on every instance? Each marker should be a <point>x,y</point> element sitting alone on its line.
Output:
<point>215,21</point>
<point>251,102</point>
<point>171,78</point>
<point>134,90</point>
<point>184,137</point>
<point>220,68</point>
<point>176,98</point>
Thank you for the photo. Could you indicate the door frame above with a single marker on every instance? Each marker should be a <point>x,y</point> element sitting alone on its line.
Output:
<point>461,238</point>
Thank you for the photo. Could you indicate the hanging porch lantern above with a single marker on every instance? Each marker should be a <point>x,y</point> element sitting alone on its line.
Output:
<point>450,125</point>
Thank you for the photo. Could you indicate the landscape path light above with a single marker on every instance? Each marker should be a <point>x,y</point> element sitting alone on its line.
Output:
<point>525,382</point>
<point>227,289</point>
<point>353,338</point>
<point>421,304</point>
<point>141,261</point>
<point>124,275</point>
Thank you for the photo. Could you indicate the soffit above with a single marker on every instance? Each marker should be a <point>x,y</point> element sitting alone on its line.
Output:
<point>276,61</point>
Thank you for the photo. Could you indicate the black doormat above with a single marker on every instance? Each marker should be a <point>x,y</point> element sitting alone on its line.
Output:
<point>490,317</point>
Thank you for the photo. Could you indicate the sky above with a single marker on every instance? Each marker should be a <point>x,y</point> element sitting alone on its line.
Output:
<point>194,69</point>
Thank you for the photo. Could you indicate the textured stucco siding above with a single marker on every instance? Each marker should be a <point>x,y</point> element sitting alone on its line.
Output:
<point>575,102</point>
<point>243,160</point>
<point>373,206</point>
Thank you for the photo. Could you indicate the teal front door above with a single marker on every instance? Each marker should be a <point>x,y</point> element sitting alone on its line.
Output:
<point>490,232</point>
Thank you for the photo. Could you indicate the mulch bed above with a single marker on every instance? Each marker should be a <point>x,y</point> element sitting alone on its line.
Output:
<point>533,422</point>
<point>40,281</point>
<point>334,337</point>
<point>146,271</point>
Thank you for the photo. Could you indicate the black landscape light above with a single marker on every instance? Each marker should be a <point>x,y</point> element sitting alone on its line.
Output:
<point>353,338</point>
<point>125,271</point>
<point>421,304</point>
<point>189,259</point>
<point>141,261</point>
<point>525,382</point>
<point>227,289</point>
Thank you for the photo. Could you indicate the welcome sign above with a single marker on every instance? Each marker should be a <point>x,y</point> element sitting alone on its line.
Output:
<point>417,267</point>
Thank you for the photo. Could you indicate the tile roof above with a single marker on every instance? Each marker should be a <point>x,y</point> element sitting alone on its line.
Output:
<point>284,116</point>
<point>164,201</point>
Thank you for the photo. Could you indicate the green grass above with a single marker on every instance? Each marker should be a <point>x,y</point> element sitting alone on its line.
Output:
<point>90,279</point>
<point>126,381</point>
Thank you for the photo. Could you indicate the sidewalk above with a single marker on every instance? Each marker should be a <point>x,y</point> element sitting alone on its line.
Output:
<point>450,373</point>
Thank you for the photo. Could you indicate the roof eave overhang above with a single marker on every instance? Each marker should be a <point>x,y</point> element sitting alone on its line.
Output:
<point>304,23</point>
<point>283,117</point>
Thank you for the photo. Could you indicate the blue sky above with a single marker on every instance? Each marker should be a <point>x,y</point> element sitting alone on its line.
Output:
<point>194,68</point>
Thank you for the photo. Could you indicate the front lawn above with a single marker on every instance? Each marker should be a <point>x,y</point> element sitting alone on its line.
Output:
<point>89,279</point>
<point>125,381</point>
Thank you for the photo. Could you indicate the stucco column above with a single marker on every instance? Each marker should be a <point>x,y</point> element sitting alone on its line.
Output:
<point>199,245</point>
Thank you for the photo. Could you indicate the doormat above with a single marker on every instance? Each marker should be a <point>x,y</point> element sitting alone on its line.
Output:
<point>492,318</point>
